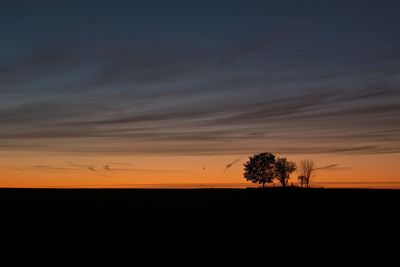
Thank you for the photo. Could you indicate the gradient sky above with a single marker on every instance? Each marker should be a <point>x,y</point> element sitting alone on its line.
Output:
<point>123,93</point>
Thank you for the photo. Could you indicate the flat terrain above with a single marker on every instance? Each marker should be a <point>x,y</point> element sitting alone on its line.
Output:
<point>218,227</point>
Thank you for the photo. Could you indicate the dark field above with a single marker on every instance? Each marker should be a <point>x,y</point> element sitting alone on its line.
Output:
<point>218,227</point>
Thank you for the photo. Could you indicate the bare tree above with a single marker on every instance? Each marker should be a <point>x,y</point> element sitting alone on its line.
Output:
<point>302,180</point>
<point>282,170</point>
<point>307,169</point>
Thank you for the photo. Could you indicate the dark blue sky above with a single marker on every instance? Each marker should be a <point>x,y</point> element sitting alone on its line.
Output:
<point>205,77</point>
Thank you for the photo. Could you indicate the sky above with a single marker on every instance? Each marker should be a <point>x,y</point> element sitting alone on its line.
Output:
<point>149,93</point>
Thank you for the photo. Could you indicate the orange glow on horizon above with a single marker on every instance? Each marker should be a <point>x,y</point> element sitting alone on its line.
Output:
<point>41,170</point>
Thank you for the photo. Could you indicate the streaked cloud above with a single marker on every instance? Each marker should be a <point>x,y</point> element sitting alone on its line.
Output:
<point>296,89</point>
<point>97,170</point>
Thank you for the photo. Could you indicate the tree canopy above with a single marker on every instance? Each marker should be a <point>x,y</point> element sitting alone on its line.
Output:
<point>260,168</point>
<point>264,167</point>
<point>282,170</point>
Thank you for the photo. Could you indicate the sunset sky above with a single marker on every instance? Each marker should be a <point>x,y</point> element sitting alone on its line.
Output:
<point>168,93</point>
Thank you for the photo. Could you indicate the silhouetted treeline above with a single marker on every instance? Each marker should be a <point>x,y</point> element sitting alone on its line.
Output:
<point>264,168</point>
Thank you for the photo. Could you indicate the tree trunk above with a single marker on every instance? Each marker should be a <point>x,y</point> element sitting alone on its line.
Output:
<point>263,184</point>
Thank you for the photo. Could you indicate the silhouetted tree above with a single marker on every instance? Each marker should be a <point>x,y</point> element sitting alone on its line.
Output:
<point>306,170</point>
<point>282,170</point>
<point>302,180</point>
<point>259,168</point>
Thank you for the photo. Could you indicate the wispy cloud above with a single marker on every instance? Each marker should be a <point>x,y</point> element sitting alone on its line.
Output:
<point>48,168</point>
<point>87,167</point>
<point>111,168</point>
<point>102,170</point>
<point>227,166</point>
<point>197,101</point>
<point>333,167</point>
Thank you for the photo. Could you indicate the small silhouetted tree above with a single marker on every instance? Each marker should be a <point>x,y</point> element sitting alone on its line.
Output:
<point>282,170</point>
<point>302,180</point>
<point>259,168</point>
<point>306,170</point>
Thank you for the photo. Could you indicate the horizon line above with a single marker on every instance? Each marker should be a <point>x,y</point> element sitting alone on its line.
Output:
<point>210,185</point>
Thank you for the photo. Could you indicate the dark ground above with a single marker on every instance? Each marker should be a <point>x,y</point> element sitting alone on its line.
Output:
<point>207,227</point>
